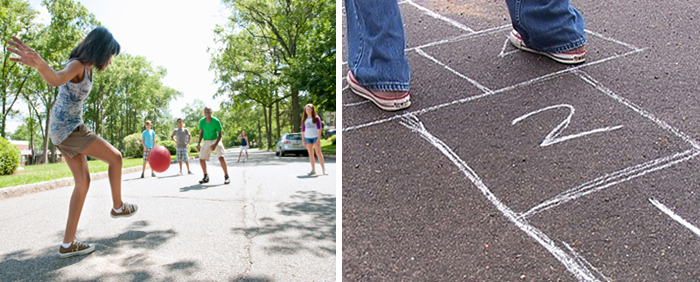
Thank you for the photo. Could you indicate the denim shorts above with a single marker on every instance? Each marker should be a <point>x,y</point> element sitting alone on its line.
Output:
<point>311,140</point>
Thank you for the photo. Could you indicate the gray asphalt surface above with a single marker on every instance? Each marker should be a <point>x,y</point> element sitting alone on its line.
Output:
<point>272,223</point>
<point>460,188</point>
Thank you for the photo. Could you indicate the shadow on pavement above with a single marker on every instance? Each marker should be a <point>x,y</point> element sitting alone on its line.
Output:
<point>299,233</point>
<point>21,265</point>
<point>199,187</point>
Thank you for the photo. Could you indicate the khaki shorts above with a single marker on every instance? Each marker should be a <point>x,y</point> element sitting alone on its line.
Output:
<point>205,150</point>
<point>78,141</point>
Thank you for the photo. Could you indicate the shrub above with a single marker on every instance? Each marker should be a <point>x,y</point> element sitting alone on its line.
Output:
<point>170,145</point>
<point>133,146</point>
<point>10,157</point>
<point>193,148</point>
<point>332,139</point>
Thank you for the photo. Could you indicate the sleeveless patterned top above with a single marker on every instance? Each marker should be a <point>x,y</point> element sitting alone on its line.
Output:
<point>67,113</point>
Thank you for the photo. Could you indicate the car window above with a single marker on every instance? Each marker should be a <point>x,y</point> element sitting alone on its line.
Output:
<point>294,137</point>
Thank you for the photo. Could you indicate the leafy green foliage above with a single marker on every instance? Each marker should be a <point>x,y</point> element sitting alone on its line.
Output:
<point>133,146</point>
<point>170,145</point>
<point>10,157</point>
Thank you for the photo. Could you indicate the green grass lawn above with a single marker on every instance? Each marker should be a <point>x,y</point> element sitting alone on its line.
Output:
<point>40,173</point>
<point>327,147</point>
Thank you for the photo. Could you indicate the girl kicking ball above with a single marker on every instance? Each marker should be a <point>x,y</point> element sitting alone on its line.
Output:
<point>66,128</point>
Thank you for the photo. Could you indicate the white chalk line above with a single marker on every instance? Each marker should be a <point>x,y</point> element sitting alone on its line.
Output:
<point>440,17</point>
<point>588,79</point>
<point>553,136</point>
<point>612,40</point>
<point>574,265</point>
<point>356,104</point>
<point>462,37</point>
<point>674,216</point>
<point>504,89</point>
<point>583,260</point>
<point>611,179</point>
<point>503,52</point>
<point>473,82</point>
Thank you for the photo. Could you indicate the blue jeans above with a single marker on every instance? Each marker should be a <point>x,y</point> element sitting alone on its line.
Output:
<point>552,26</point>
<point>310,140</point>
<point>376,45</point>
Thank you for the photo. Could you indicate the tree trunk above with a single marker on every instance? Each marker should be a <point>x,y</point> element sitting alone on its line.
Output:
<point>265,117</point>
<point>296,114</point>
<point>277,109</point>
<point>259,134</point>
<point>45,155</point>
<point>269,132</point>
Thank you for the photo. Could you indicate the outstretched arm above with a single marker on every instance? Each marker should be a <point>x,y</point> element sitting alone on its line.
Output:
<point>30,58</point>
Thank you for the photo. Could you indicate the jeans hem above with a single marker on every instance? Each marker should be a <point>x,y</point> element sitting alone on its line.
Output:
<point>566,47</point>
<point>389,86</point>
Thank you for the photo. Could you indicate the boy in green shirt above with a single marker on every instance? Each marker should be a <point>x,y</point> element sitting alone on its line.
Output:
<point>210,131</point>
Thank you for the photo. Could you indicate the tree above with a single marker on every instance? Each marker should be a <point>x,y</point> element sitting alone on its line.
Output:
<point>281,25</point>
<point>314,69</point>
<point>16,20</point>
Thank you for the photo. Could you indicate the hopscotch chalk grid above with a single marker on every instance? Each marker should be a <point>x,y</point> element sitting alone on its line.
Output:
<point>559,135</point>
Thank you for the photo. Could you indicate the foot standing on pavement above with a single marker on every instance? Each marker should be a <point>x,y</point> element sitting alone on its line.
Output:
<point>310,134</point>
<point>70,135</point>
<point>183,140</point>
<point>552,28</point>
<point>378,65</point>
<point>211,131</point>
<point>379,70</point>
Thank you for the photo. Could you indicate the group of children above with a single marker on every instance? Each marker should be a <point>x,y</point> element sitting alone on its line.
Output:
<point>76,141</point>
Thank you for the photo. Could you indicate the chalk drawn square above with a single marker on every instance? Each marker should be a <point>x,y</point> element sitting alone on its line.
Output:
<point>510,158</point>
<point>489,59</point>
<point>628,239</point>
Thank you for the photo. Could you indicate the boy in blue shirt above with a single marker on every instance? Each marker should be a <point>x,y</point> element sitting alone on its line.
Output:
<point>148,140</point>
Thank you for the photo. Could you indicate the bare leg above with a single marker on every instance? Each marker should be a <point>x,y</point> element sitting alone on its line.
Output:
<point>105,152</point>
<point>187,163</point>
<point>204,166</point>
<point>180,166</point>
<point>78,166</point>
<point>310,149</point>
<point>239,156</point>
<point>223,165</point>
<point>317,146</point>
<point>246,155</point>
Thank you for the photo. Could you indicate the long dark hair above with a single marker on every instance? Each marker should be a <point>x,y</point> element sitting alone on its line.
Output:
<point>96,49</point>
<point>313,114</point>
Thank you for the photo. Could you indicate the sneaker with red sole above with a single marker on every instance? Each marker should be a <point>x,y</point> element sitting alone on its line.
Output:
<point>399,101</point>
<point>571,57</point>
<point>76,248</point>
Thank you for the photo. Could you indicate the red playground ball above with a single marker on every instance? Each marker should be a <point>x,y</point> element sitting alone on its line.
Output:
<point>159,159</point>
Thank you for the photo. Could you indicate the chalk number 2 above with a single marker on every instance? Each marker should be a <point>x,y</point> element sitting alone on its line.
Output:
<point>554,136</point>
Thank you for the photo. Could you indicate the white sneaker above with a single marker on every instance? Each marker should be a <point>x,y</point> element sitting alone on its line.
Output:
<point>179,173</point>
<point>324,172</point>
<point>311,172</point>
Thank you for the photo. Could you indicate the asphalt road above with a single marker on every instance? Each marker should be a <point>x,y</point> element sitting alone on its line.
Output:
<point>272,223</point>
<point>510,167</point>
